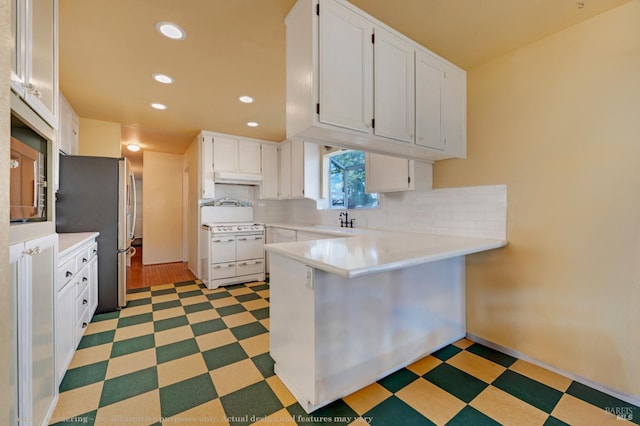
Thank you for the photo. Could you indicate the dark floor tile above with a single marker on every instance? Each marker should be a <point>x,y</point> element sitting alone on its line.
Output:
<point>83,419</point>
<point>264,363</point>
<point>197,307</point>
<point>552,421</point>
<point>257,400</point>
<point>138,290</point>
<point>128,386</point>
<point>166,305</point>
<point>96,339</point>
<point>192,293</point>
<point>261,313</point>
<point>604,401</point>
<point>136,344</point>
<point>230,310</point>
<point>176,350</point>
<point>446,352</point>
<point>168,323</point>
<point>208,326</point>
<point>248,330</point>
<point>396,381</point>
<point>458,383</point>
<point>163,291</point>
<point>469,416</point>
<point>530,391</point>
<point>187,394</point>
<point>218,295</point>
<point>393,411</point>
<point>491,354</point>
<point>247,297</point>
<point>138,302</point>
<point>224,355</point>
<point>134,320</point>
<point>338,413</point>
<point>106,316</point>
<point>260,287</point>
<point>184,283</point>
<point>85,375</point>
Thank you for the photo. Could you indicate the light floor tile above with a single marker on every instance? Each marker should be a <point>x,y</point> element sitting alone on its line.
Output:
<point>547,377</point>
<point>235,376</point>
<point>186,301</point>
<point>463,343</point>
<point>100,326</point>
<point>168,313</point>
<point>138,296</point>
<point>574,411</point>
<point>477,366</point>
<point>142,409</point>
<point>366,398</point>
<point>186,288</point>
<point>278,418</point>
<point>90,355</point>
<point>133,331</point>
<point>173,335</point>
<point>166,298</point>
<point>129,363</point>
<point>225,301</point>
<point>135,310</point>
<point>239,291</point>
<point>162,286</point>
<point>210,412</point>
<point>424,365</point>
<point>215,339</point>
<point>201,316</point>
<point>238,319</point>
<point>431,401</point>
<point>252,305</point>
<point>263,293</point>
<point>359,422</point>
<point>75,402</point>
<point>281,391</point>
<point>256,345</point>
<point>507,409</point>
<point>181,369</point>
<point>265,322</point>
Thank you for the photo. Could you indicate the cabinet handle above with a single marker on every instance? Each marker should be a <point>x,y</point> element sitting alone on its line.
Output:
<point>84,260</point>
<point>243,264</point>
<point>242,239</point>
<point>68,274</point>
<point>95,251</point>
<point>84,325</point>
<point>85,279</point>
<point>33,90</point>
<point>85,301</point>
<point>33,251</point>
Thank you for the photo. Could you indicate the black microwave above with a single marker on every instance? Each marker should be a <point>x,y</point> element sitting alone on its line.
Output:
<point>28,174</point>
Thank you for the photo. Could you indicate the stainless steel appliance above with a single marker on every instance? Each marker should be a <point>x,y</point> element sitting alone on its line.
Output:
<point>233,246</point>
<point>98,194</point>
<point>27,176</point>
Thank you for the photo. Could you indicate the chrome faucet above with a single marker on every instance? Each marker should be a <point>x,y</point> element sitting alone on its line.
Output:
<point>345,222</point>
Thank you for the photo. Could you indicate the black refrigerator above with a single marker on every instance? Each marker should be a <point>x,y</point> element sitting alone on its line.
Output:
<point>97,194</point>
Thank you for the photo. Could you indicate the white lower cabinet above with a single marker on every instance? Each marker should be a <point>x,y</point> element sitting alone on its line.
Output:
<point>32,275</point>
<point>76,299</point>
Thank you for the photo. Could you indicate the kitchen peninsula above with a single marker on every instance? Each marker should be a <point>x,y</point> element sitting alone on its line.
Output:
<point>349,310</point>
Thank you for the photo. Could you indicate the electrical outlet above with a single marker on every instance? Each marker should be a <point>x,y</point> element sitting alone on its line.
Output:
<point>308,277</point>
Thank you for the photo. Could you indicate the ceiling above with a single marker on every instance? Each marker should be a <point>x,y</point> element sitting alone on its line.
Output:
<point>110,48</point>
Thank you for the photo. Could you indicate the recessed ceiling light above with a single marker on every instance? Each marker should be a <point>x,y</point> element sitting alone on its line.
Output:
<point>163,78</point>
<point>158,106</point>
<point>133,147</point>
<point>245,99</point>
<point>252,124</point>
<point>171,30</point>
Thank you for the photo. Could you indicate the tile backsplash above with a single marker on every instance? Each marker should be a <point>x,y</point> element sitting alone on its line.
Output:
<point>476,211</point>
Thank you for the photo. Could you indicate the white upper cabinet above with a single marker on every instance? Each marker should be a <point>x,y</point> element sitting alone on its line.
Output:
<point>388,174</point>
<point>68,128</point>
<point>354,82</point>
<point>345,68</point>
<point>284,157</point>
<point>206,166</point>
<point>249,157</point>
<point>269,186</point>
<point>34,58</point>
<point>234,155</point>
<point>299,163</point>
<point>394,91</point>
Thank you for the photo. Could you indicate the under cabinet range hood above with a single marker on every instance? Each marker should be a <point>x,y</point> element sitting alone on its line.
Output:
<point>237,178</point>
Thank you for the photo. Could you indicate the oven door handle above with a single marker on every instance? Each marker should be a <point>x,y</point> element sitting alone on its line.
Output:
<point>222,240</point>
<point>250,238</point>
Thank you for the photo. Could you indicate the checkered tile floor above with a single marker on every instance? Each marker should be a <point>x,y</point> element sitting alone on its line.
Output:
<point>183,354</point>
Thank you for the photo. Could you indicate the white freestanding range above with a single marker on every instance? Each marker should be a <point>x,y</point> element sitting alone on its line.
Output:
<point>232,246</point>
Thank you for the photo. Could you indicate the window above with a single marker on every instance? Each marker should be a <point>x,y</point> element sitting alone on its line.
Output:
<point>346,181</point>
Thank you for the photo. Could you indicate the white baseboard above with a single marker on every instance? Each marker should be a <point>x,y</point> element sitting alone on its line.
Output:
<point>635,400</point>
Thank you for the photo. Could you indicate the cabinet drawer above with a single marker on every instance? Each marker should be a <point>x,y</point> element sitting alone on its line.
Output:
<point>83,281</point>
<point>82,258</point>
<point>82,304</point>
<point>93,250</point>
<point>223,270</point>
<point>66,271</point>
<point>249,267</point>
<point>82,323</point>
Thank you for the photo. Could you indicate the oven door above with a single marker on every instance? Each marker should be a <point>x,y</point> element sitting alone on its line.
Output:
<point>223,249</point>
<point>250,246</point>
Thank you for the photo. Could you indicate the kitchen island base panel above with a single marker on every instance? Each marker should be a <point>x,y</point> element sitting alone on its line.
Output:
<point>331,335</point>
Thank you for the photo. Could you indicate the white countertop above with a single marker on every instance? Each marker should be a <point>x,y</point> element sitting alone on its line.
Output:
<point>356,251</point>
<point>70,241</point>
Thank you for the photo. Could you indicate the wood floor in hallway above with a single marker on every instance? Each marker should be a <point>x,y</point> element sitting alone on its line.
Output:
<point>140,276</point>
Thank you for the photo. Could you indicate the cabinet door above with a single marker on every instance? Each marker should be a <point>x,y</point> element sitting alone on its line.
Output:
<point>206,167</point>
<point>93,284</point>
<point>269,186</point>
<point>225,154</point>
<point>65,328</point>
<point>454,112</point>
<point>387,174</point>
<point>393,89</point>
<point>16,281</point>
<point>297,168</point>
<point>249,157</point>
<point>429,85</point>
<point>285,170</point>
<point>64,126</point>
<point>18,46</point>
<point>346,68</point>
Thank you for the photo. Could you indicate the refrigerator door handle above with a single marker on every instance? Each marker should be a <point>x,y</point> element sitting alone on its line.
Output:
<point>132,182</point>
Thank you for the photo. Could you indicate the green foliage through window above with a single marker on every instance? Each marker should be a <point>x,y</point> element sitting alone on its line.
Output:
<point>347,183</point>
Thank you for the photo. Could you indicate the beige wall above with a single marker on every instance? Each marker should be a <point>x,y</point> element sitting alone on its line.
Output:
<point>162,214</point>
<point>559,122</point>
<point>99,138</point>
<point>6,346</point>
